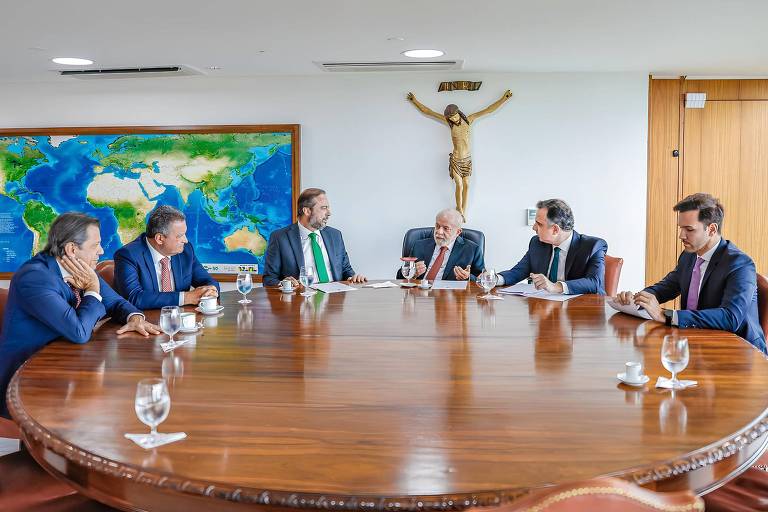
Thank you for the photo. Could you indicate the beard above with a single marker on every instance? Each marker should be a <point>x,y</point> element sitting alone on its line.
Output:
<point>318,223</point>
<point>441,243</point>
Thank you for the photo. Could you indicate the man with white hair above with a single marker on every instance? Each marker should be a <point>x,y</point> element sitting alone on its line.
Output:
<point>446,255</point>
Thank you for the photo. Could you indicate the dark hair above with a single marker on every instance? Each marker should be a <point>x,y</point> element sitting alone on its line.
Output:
<point>558,212</point>
<point>453,109</point>
<point>161,218</point>
<point>711,211</point>
<point>307,199</point>
<point>68,227</point>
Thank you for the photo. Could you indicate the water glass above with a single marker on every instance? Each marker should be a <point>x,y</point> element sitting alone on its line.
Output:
<point>153,403</point>
<point>487,281</point>
<point>408,270</point>
<point>674,357</point>
<point>307,279</point>
<point>170,320</point>
<point>244,286</point>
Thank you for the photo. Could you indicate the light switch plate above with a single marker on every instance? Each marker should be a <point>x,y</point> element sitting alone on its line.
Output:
<point>530,215</point>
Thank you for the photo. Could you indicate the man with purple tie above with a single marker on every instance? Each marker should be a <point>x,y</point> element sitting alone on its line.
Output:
<point>717,282</point>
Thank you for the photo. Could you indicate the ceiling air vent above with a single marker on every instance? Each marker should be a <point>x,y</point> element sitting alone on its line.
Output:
<point>435,65</point>
<point>148,72</point>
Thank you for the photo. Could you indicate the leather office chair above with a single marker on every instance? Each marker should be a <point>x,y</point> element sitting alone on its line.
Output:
<point>762,301</point>
<point>612,274</point>
<point>106,270</point>
<point>413,235</point>
<point>8,429</point>
<point>605,495</point>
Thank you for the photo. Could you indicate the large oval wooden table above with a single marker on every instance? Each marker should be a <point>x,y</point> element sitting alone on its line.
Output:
<point>391,399</point>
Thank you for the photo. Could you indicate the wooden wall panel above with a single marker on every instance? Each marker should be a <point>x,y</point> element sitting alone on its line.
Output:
<point>663,138</point>
<point>750,233</point>
<point>753,89</point>
<point>715,89</point>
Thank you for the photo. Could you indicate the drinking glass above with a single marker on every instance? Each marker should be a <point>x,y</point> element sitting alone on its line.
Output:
<point>153,403</point>
<point>170,320</point>
<point>487,281</point>
<point>408,270</point>
<point>674,357</point>
<point>307,279</point>
<point>244,285</point>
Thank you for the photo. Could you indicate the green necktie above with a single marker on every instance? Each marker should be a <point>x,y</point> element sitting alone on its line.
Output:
<point>322,273</point>
<point>553,268</point>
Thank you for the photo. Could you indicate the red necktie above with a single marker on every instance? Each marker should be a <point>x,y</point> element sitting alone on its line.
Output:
<point>78,297</point>
<point>437,264</point>
<point>165,275</point>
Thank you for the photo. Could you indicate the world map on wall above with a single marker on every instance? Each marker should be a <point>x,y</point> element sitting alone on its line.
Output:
<point>234,188</point>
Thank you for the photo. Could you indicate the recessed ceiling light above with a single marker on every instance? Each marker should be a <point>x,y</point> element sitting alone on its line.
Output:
<point>395,38</point>
<point>214,68</point>
<point>423,54</point>
<point>71,61</point>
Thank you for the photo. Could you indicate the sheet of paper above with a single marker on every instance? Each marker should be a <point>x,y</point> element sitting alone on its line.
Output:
<point>557,297</point>
<point>148,441</point>
<point>449,285</point>
<point>385,284</point>
<point>632,309</point>
<point>167,346</point>
<point>333,287</point>
<point>529,290</point>
<point>518,289</point>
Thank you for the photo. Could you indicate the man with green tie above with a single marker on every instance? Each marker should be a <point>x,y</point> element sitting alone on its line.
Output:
<point>309,243</point>
<point>559,259</point>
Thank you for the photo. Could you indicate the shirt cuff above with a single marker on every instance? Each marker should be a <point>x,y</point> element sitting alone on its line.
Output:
<point>181,298</point>
<point>499,280</point>
<point>674,319</point>
<point>94,295</point>
<point>134,314</point>
<point>565,287</point>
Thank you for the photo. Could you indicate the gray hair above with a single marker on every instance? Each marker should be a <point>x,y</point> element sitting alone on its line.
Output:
<point>68,227</point>
<point>161,218</point>
<point>558,212</point>
<point>453,215</point>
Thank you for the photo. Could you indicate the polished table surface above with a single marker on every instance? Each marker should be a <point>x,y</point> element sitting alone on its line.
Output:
<point>391,399</point>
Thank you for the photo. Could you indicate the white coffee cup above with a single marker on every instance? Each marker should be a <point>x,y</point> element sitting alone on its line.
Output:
<point>424,284</point>
<point>209,303</point>
<point>188,321</point>
<point>634,371</point>
<point>286,285</point>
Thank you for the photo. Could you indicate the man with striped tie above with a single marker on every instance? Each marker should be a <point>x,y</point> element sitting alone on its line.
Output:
<point>716,282</point>
<point>559,259</point>
<point>309,243</point>
<point>57,294</point>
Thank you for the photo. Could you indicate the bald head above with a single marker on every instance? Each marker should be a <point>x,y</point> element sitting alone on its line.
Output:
<point>447,226</point>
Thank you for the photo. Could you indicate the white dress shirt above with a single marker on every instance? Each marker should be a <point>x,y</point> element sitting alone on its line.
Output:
<point>703,269</point>
<point>156,257</point>
<point>446,257</point>
<point>564,247</point>
<point>65,274</point>
<point>309,257</point>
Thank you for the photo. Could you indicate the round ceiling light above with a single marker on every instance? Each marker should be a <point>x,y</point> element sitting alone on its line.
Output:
<point>423,54</point>
<point>71,61</point>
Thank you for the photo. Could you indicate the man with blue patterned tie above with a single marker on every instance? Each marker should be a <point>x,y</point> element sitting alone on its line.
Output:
<point>559,259</point>
<point>309,243</point>
<point>716,281</point>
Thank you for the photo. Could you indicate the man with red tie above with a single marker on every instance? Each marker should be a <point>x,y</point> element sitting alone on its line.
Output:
<point>57,293</point>
<point>716,282</point>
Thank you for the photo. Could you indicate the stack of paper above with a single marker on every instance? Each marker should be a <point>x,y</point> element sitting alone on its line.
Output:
<point>442,284</point>
<point>333,287</point>
<point>385,284</point>
<point>529,290</point>
<point>632,309</point>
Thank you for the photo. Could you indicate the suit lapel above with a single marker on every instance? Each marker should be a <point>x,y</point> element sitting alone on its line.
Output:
<point>458,247</point>
<point>716,257</point>
<point>571,255</point>
<point>329,246</point>
<point>149,262</point>
<point>294,238</point>
<point>685,283</point>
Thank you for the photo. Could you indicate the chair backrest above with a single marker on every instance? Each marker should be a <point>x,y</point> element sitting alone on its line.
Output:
<point>7,427</point>
<point>106,270</point>
<point>413,235</point>
<point>762,302</point>
<point>612,274</point>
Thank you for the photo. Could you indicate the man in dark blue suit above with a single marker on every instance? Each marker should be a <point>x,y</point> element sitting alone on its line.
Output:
<point>57,293</point>
<point>446,255</point>
<point>716,282</point>
<point>309,243</point>
<point>159,267</point>
<point>559,259</point>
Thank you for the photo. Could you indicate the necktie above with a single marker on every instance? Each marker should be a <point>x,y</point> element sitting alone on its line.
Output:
<point>322,272</point>
<point>78,295</point>
<point>165,275</point>
<point>555,264</point>
<point>693,291</point>
<point>432,274</point>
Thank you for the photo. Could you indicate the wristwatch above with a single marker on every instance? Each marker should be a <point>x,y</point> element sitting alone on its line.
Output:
<point>668,313</point>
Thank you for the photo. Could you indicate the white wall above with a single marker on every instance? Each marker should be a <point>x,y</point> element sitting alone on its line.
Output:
<point>581,137</point>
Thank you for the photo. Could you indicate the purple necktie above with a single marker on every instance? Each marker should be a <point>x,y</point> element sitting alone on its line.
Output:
<point>693,290</point>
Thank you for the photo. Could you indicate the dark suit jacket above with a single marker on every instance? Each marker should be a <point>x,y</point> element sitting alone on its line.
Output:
<point>40,309</point>
<point>285,257</point>
<point>584,264</point>
<point>136,277</point>
<point>465,252</point>
<point>727,295</point>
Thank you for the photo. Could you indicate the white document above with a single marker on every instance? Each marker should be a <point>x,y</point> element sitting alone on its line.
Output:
<point>385,284</point>
<point>449,285</point>
<point>333,287</point>
<point>521,289</point>
<point>529,290</point>
<point>632,309</point>
<point>557,297</point>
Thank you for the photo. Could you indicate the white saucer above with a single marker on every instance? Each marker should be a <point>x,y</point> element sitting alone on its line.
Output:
<point>211,312</point>
<point>287,291</point>
<point>425,287</point>
<point>197,327</point>
<point>622,377</point>
<point>408,285</point>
